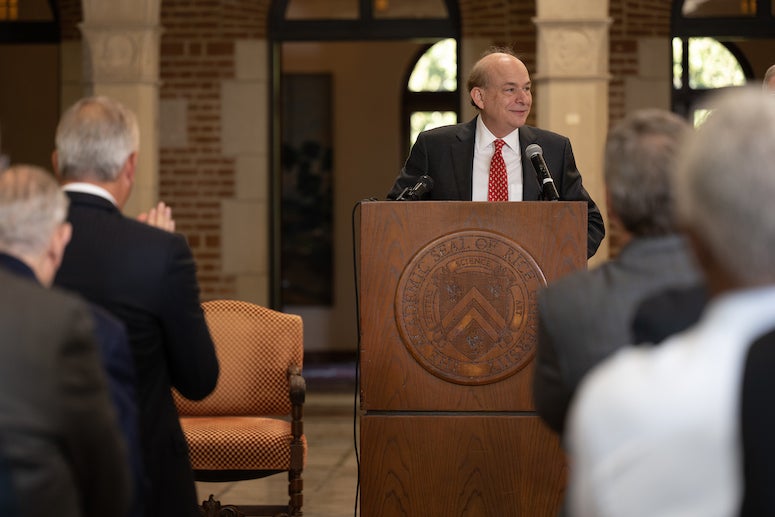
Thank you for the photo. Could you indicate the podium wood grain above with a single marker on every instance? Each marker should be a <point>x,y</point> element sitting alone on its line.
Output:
<point>460,465</point>
<point>431,447</point>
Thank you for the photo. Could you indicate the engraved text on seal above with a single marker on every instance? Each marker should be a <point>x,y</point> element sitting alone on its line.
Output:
<point>466,307</point>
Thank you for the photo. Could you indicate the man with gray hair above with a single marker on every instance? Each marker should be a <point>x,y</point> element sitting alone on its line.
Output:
<point>58,431</point>
<point>586,316</point>
<point>656,431</point>
<point>146,276</point>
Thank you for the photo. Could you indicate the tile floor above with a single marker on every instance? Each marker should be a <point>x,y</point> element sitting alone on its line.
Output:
<point>331,475</point>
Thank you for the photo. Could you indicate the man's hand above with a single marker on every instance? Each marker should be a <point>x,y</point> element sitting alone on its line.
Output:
<point>160,216</point>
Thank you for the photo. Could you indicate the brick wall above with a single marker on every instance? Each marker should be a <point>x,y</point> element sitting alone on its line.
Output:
<point>632,19</point>
<point>197,53</point>
<point>506,23</point>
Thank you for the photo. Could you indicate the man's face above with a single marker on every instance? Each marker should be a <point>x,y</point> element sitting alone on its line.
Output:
<point>505,102</point>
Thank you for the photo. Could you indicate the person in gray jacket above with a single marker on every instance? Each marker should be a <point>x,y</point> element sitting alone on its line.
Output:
<point>587,315</point>
<point>59,434</point>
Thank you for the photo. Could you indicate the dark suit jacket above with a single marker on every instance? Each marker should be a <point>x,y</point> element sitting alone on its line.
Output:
<point>446,154</point>
<point>667,313</point>
<point>758,428</point>
<point>58,429</point>
<point>147,278</point>
<point>113,343</point>
<point>116,358</point>
<point>8,505</point>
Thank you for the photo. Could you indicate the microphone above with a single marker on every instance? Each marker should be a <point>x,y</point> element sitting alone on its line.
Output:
<point>536,155</point>
<point>423,185</point>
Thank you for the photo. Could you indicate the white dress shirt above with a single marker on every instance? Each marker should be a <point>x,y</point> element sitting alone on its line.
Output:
<point>655,431</point>
<point>484,148</point>
<point>89,188</point>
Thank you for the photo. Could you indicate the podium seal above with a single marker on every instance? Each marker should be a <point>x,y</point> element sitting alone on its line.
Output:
<point>466,307</point>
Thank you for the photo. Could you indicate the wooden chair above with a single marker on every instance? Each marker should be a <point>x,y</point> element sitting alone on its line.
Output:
<point>251,425</point>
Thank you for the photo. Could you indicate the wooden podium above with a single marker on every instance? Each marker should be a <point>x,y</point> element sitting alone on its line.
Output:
<point>448,332</point>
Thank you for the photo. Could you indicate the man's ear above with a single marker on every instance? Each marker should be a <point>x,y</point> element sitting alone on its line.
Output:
<point>51,260</point>
<point>62,236</point>
<point>130,166</point>
<point>477,96</point>
<point>55,163</point>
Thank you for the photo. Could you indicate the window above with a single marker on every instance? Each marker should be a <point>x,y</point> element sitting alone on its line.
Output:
<point>718,8</point>
<point>31,21</point>
<point>717,44</point>
<point>431,97</point>
<point>9,10</point>
<point>699,66</point>
<point>711,65</point>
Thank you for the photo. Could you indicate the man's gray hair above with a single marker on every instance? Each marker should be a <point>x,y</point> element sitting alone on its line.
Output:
<point>769,74</point>
<point>640,156</point>
<point>726,184</point>
<point>94,138</point>
<point>31,207</point>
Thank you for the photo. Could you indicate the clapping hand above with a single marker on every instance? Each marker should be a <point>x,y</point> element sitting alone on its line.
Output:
<point>159,216</point>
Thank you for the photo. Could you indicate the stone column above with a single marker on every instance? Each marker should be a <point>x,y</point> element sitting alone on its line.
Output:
<point>245,220</point>
<point>121,60</point>
<point>571,85</point>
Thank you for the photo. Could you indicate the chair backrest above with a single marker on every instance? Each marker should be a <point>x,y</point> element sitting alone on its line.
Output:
<point>255,348</point>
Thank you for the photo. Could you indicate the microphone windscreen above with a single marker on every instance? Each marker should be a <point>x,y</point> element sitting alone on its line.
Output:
<point>533,149</point>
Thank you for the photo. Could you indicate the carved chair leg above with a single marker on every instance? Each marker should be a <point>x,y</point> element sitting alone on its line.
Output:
<point>213,508</point>
<point>295,491</point>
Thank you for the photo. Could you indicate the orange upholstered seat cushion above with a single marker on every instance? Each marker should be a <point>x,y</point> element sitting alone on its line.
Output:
<point>239,443</point>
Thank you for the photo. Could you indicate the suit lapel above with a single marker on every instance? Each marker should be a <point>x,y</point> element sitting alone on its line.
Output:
<point>530,187</point>
<point>463,159</point>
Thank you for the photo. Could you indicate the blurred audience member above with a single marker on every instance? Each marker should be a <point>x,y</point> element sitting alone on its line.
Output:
<point>668,313</point>
<point>758,428</point>
<point>145,275</point>
<point>7,497</point>
<point>769,80</point>
<point>58,430</point>
<point>586,316</point>
<point>112,343</point>
<point>656,431</point>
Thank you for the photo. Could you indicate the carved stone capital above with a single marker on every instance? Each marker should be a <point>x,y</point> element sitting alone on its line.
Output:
<point>573,48</point>
<point>121,53</point>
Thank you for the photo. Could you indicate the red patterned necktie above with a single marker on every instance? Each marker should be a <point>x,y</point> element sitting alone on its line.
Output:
<point>498,185</point>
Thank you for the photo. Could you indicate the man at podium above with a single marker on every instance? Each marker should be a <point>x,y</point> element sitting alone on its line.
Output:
<point>489,158</point>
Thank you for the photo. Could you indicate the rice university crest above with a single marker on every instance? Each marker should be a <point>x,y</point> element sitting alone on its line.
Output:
<point>466,307</point>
